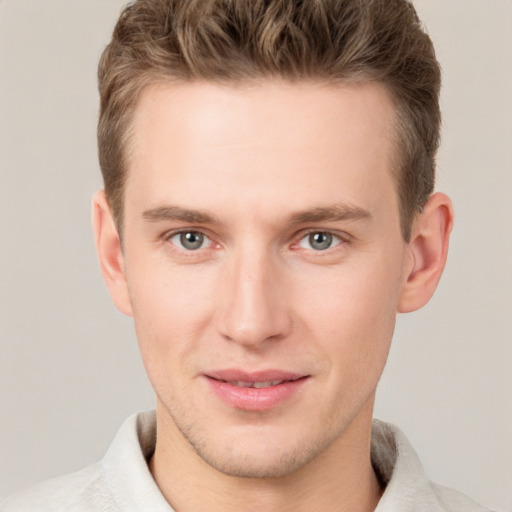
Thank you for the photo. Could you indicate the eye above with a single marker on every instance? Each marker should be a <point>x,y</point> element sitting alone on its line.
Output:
<point>190,240</point>
<point>319,241</point>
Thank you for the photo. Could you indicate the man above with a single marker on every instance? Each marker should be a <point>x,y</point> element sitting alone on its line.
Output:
<point>268,209</point>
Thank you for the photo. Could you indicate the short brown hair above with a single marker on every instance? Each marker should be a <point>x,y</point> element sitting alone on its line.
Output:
<point>240,40</point>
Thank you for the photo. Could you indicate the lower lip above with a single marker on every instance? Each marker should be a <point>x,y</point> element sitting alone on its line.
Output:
<point>255,399</point>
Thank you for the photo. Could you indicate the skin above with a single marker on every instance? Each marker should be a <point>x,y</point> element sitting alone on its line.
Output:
<point>254,170</point>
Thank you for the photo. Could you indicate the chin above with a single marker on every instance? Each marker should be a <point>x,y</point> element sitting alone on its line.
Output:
<point>268,455</point>
<point>261,465</point>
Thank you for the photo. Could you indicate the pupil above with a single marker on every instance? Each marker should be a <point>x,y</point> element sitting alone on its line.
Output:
<point>191,240</point>
<point>320,241</point>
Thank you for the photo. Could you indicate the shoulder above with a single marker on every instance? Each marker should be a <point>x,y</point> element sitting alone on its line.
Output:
<point>407,487</point>
<point>120,481</point>
<point>455,501</point>
<point>82,491</point>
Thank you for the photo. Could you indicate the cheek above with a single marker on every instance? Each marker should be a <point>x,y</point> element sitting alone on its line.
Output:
<point>351,296</point>
<point>171,307</point>
<point>352,313</point>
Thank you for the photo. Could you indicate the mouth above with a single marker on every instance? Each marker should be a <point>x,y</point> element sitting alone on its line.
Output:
<point>256,385</point>
<point>257,391</point>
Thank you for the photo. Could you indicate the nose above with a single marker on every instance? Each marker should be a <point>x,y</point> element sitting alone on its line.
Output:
<point>252,309</point>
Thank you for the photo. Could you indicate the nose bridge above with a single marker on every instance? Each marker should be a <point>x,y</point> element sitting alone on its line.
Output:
<point>252,309</point>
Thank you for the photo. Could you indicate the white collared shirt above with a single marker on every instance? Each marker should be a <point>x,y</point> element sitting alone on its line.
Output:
<point>122,482</point>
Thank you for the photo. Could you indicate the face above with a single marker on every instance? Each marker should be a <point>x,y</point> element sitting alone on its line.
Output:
<point>264,263</point>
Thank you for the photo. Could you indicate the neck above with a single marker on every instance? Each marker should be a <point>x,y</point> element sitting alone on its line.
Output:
<point>340,479</point>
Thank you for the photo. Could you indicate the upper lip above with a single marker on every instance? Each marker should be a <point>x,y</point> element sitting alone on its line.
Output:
<point>236,375</point>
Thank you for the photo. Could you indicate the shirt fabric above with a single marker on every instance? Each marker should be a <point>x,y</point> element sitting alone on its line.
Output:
<point>122,482</point>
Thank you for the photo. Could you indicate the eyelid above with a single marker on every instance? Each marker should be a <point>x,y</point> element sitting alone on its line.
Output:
<point>168,235</point>
<point>341,235</point>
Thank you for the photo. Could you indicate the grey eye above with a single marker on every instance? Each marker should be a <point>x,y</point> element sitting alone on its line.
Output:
<point>189,240</point>
<point>319,241</point>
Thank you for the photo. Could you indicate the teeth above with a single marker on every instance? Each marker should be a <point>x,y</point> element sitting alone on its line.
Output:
<point>265,384</point>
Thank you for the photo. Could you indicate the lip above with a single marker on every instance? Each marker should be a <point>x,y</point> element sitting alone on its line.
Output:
<point>257,399</point>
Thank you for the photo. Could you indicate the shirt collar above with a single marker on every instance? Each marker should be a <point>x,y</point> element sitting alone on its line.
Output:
<point>393,458</point>
<point>397,465</point>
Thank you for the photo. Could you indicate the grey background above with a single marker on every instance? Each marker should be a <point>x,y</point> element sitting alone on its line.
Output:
<point>69,365</point>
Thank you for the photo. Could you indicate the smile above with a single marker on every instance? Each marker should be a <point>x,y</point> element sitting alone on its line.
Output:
<point>258,385</point>
<point>256,392</point>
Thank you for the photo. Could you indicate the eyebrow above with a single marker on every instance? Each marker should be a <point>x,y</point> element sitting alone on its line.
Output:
<point>330,214</point>
<point>163,213</point>
<point>321,214</point>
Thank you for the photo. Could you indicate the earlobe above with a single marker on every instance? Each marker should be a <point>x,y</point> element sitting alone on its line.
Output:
<point>110,254</point>
<point>428,251</point>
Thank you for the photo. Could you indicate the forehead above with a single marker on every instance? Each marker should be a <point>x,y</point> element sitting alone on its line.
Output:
<point>226,144</point>
<point>278,107</point>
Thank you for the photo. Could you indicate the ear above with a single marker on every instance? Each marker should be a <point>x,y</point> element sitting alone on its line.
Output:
<point>428,250</point>
<point>110,254</point>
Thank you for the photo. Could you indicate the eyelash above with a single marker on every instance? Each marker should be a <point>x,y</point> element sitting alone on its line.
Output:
<point>169,236</point>
<point>337,238</point>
